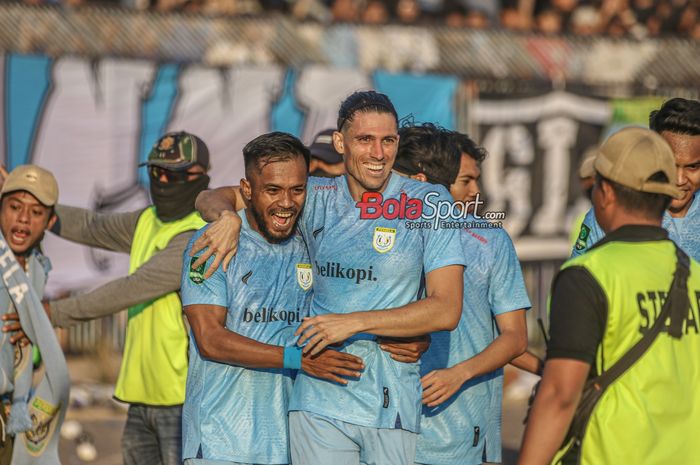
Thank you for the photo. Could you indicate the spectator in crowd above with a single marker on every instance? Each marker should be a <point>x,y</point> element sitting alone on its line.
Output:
<point>407,11</point>
<point>375,12</point>
<point>477,19</point>
<point>549,22</point>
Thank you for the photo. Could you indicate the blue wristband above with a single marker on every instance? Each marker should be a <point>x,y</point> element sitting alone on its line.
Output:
<point>292,357</point>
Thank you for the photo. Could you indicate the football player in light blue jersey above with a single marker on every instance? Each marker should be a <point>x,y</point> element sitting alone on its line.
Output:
<point>678,122</point>
<point>243,354</point>
<point>462,370</point>
<point>368,267</point>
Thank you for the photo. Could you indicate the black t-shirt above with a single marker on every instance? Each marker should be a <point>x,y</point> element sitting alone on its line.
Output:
<point>579,307</point>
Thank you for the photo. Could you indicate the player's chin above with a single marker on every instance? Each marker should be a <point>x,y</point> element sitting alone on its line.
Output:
<point>374,183</point>
<point>281,232</point>
<point>679,204</point>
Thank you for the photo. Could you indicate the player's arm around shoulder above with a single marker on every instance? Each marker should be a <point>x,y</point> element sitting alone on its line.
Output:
<point>205,302</point>
<point>220,240</point>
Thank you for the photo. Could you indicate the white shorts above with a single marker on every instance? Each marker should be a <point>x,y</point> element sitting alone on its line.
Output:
<point>315,440</point>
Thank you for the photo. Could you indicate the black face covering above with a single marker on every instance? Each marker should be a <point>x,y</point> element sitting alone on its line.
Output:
<point>175,200</point>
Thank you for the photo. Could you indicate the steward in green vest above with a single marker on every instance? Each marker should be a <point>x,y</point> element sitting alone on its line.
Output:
<point>602,304</point>
<point>154,366</point>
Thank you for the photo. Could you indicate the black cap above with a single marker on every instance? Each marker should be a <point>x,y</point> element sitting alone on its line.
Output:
<point>323,149</point>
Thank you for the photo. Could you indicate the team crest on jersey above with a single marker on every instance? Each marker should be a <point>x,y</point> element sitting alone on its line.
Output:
<point>384,239</point>
<point>304,276</point>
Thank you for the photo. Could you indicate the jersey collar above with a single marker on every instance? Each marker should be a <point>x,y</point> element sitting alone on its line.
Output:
<point>634,233</point>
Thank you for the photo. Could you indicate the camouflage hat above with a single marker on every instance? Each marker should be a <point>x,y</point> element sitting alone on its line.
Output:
<point>178,151</point>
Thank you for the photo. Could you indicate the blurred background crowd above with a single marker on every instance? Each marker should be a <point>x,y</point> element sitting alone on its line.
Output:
<point>637,19</point>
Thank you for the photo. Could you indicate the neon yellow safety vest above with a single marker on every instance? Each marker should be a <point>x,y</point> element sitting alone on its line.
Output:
<point>154,366</point>
<point>651,414</point>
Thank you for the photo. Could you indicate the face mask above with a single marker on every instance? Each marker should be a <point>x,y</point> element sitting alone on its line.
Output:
<point>175,200</point>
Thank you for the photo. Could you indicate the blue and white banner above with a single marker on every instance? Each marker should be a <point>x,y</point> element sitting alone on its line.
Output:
<point>92,122</point>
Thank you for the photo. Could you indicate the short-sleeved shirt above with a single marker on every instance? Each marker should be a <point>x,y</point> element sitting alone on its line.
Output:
<point>467,428</point>
<point>369,264</point>
<point>579,307</point>
<point>234,413</point>
<point>683,231</point>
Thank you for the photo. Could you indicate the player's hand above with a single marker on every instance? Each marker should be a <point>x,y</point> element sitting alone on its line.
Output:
<point>332,365</point>
<point>440,385</point>
<point>12,325</point>
<point>319,331</point>
<point>221,240</point>
<point>406,350</point>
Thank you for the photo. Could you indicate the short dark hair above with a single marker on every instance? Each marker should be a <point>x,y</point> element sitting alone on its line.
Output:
<point>678,115</point>
<point>272,147</point>
<point>468,146</point>
<point>430,150</point>
<point>649,204</point>
<point>365,102</point>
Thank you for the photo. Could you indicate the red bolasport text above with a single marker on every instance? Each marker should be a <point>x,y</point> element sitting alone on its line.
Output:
<point>428,212</point>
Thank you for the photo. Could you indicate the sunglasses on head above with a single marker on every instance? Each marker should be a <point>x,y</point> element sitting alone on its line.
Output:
<point>157,172</point>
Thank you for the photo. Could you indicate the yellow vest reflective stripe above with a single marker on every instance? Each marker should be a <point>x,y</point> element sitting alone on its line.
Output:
<point>651,414</point>
<point>154,366</point>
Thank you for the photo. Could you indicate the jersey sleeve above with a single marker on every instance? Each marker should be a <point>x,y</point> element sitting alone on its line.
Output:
<point>195,290</point>
<point>442,246</point>
<point>313,193</point>
<point>590,233</point>
<point>506,284</point>
<point>578,313</point>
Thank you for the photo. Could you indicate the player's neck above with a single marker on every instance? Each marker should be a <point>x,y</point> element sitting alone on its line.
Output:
<point>356,189</point>
<point>627,219</point>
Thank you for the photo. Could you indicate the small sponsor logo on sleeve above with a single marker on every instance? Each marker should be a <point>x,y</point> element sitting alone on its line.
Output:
<point>583,237</point>
<point>196,274</point>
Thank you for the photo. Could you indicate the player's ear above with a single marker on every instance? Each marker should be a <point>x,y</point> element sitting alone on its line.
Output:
<point>420,177</point>
<point>51,222</point>
<point>246,189</point>
<point>338,142</point>
<point>608,194</point>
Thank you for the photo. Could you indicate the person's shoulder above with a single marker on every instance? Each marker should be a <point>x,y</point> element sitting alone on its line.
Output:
<point>694,270</point>
<point>418,189</point>
<point>484,238</point>
<point>42,259</point>
<point>316,184</point>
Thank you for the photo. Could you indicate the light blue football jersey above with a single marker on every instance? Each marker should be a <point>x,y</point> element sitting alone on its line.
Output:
<point>683,231</point>
<point>233,413</point>
<point>466,429</point>
<point>369,264</point>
